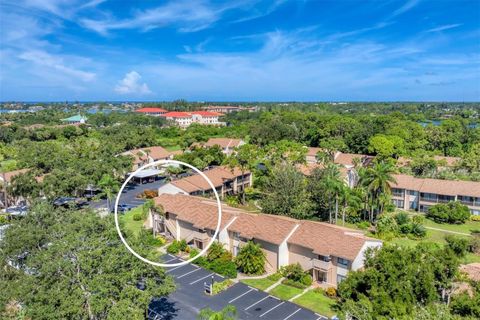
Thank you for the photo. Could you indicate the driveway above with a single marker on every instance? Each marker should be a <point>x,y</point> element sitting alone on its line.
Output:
<point>129,194</point>
<point>251,303</point>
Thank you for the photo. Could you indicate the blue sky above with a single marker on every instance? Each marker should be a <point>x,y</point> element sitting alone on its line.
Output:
<point>244,50</point>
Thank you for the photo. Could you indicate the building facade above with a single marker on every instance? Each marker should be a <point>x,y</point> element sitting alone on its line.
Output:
<point>226,181</point>
<point>328,252</point>
<point>419,194</point>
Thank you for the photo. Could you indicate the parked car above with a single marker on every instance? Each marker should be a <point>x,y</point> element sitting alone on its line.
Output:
<point>122,208</point>
<point>67,202</point>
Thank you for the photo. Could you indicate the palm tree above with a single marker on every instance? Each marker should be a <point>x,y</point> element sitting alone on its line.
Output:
<point>376,180</point>
<point>227,313</point>
<point>243,158</point>
<point>351,201</point>
<point>251,259</point>
<point>109,187</point>
<point>333,184</point>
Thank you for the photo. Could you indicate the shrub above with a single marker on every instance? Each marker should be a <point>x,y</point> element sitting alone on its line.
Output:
<point>274,276</point>
<point>215,251</point>
<point>474,245</point>
<point>251,259</point>
<point>3,220</point>
<point>306,280</point>
<point>475,217</point>
<point>458,245</point>
<point>318,290</point>
<point>201,261</point>
<point>183,246</point>
<point>452,212</point>
<point>292,272</point>
<point>174,247</point>
<point>137,216</point>
<point>295,284</point>
<point>221,286</point>
<point>224,266</point>
<point>418,230</point>
<point>387,226</point>
<point>364,225</point>
<point>331,292</point>
<point>150,194</point>
<point>402,218</point>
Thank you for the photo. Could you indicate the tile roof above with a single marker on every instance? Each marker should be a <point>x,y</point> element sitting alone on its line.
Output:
<point>217,176</point>
<point>346,159</point>
<point>321,238</point>
<point>329,240</point>
<point>207,113</point>
<point>223,142</point>
<point>151,110</point>
<point>7,176</point>
<point>269,228</point>
<point>472,270</point>
<point>312,151</point>
<point>200,212</point>
<point>177,114</point>
<point>437,186</point>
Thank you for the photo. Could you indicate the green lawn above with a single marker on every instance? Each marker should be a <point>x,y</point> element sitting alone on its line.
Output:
<point>285,292</point>
<point>129,223</point>
<point>468,227</point>
<point>261,284</point>
<point>317,302</point>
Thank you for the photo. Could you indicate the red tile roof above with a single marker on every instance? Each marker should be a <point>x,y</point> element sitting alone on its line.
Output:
<point>151,110</point>
<point>217,176</point>
<point>177,114</point>
<point>207,113</point>
<point>223,142</point>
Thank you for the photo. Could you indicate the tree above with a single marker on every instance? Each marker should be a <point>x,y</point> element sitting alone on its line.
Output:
<point>227,313</point>
<point>376,180</point>
<point>244,158</point>
<point>71,264</point>
<point>109,187</point>
<point>396,280</point>
<point>386,146</point>
<point>451,212</point>
<point>251,259</point>
<point>286,193</point>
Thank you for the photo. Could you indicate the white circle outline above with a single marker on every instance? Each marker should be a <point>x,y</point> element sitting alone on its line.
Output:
<point>201,253</point>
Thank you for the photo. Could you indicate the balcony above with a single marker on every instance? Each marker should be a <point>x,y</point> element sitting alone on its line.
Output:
<point>201,236</point>
<point>322,265</point>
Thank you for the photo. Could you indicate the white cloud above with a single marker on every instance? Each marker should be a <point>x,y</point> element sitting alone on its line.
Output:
<point>445,27</point>
<point>130,84</point>
<point>44,59</point>
<point>406,7</point>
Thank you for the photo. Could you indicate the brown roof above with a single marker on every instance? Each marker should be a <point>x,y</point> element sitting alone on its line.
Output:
<point>472,270</point>
<point>7,176</point>
<point>321,238</point>
<point>155,152</point>
<point>346,159</point>
<point>329,240</point>
<point>200,212</point>
<point>437,186</point>
<point>449,161</point>
<point>223,142</point>
<point>217,176</point>
<point>269,228</point>
<point>312,151</point>
<point>308,168</point>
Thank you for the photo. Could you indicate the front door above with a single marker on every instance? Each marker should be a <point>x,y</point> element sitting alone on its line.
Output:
<point>321,276</point>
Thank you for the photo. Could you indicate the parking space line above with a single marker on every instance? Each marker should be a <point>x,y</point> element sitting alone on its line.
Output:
<point>255,303</point>
<point>291,315</point>
<point>198,280</point>
<point>169,270</point>
<point>170,260</point>
<point>240,296</point>
<point>278,305</point>
<point>186,274</point>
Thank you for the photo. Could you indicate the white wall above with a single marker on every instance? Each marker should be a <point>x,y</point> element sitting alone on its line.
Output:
<point>358,262</point>
<point>170,189</point>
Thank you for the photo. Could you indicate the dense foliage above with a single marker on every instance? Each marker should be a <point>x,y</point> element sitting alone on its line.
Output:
<point>251,259</point>
<point>71,264</point>
<point>452,212</point>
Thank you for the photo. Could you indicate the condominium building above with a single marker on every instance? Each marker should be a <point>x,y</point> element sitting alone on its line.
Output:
<point>152,111</point>
<point>146,155</point>
<point>184,119</point>
<point>411,193</point>
<point>327,251</point>
<point>226,144</point>
<point>227,181</point>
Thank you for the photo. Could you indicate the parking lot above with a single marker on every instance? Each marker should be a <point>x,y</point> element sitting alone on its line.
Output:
<point>251,303</point>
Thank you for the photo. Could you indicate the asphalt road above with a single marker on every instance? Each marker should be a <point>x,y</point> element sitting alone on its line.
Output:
<point>251,303</point>
<point>129,194</point>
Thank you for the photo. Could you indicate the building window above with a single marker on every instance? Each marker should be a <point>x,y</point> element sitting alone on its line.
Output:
<point>323,258</point>
<point>340,278</point>
<point>342,262</point>
<point>397,192</point>
<point>412,192</point>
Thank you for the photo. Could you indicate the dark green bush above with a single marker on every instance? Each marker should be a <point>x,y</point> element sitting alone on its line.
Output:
<point>137,216</point>
<point>458,245</point>
<point>452,212</point>
<point>295,284</point>
<point>174,247</point>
